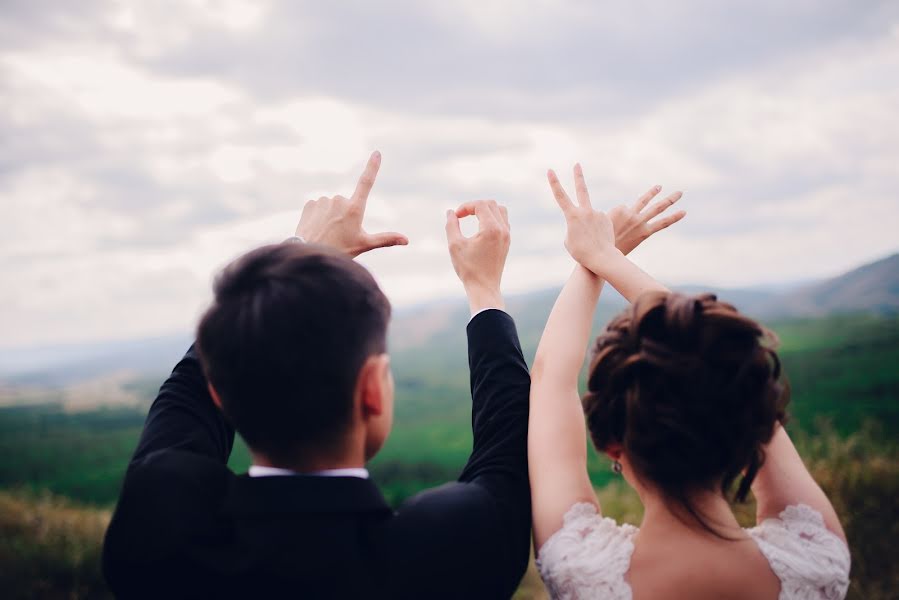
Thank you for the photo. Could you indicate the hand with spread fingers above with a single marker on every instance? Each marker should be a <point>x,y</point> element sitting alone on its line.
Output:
<point>479,260</point>
<point>634,224</point>
<point>337,221</point>
<point>593,236</point>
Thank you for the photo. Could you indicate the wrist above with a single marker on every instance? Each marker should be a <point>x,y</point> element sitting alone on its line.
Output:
<point>481,297</point>
<point>322,239</point>
<point>310,237</point>
<point>602,261</point>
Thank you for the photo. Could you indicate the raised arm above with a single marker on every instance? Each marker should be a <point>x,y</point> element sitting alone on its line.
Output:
<point>783,480</point>
<point>183,416</point>
<point>499,376</point>
<point>496,471</point>
<point>557,437</point>
<point>557,447</point>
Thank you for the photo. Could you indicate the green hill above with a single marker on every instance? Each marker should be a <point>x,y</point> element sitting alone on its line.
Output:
<point>842,370</point>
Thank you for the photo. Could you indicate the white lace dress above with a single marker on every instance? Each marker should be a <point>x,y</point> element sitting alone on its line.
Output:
<point>590,555</point>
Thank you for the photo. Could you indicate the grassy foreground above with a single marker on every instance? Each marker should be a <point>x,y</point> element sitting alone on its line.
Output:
<point>50,547</point>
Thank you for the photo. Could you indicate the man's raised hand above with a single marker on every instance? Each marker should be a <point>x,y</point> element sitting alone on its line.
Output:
<point>337,221</point>
<point>479,260</point>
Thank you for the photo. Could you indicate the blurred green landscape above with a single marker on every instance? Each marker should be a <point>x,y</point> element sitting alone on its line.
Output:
<point>64,452</point>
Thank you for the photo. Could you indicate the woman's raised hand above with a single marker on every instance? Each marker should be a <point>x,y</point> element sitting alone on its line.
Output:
<point>590,236</point>
<point>632,223</point>
<point>593,236</point>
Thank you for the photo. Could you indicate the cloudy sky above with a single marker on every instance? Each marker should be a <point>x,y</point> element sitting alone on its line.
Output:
<point>144,144</point>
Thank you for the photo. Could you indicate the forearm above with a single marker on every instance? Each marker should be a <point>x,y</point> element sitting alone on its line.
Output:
<point>557,446</point>
<point>563,345</point>
<point>784,480</point>
<point>500,385</point>
<point>623,275</point>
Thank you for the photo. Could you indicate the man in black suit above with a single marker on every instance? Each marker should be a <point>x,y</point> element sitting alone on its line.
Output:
<point>292,354</point>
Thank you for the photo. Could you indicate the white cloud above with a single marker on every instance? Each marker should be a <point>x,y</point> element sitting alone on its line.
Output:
<point>104,87</point>
<point>156,27</point>
<point>125,185</point>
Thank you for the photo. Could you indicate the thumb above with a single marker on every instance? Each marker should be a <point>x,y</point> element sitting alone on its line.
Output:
<point>386,239</point>
<point>453,231</point>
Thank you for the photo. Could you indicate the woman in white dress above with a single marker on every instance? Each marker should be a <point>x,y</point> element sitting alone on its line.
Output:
<point>685,396</point>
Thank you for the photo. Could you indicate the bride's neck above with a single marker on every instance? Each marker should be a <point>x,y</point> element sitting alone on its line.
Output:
<point>661,513</point>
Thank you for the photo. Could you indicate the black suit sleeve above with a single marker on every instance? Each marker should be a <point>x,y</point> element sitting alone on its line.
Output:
<point>500,392</point>
<point>471,539</point>
<point>183,416</point>
<point>500,389</point>
<point>163,492</point>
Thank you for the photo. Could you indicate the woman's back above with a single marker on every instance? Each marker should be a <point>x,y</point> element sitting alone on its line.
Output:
<point>794,557</point>
<point>690,563</point>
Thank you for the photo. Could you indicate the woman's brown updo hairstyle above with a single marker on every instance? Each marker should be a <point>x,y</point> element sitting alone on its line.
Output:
<point>691,390</point>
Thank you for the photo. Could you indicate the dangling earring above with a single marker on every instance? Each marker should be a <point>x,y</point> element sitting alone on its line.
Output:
<point>616,467</point>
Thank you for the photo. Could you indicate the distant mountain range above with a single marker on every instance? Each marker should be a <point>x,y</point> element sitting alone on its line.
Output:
<point>426,333</point>
<point>871,288</point>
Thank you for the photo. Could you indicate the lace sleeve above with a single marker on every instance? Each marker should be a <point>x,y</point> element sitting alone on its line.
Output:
<point>588,557</point>
<point>811,561</point>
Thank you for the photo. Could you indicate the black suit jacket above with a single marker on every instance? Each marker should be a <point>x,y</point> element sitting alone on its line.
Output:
<point>186,526</point>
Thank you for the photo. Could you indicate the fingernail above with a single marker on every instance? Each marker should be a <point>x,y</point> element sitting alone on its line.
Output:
<point>376,154</point>
<point>658,188</point>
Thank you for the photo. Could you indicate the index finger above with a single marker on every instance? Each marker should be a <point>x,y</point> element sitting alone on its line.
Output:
<point>478,208</point>
<point>466,209</point>
<point>367,179</point>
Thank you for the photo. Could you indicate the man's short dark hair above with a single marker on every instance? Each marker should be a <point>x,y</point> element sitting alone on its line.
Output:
<point>284,340</point>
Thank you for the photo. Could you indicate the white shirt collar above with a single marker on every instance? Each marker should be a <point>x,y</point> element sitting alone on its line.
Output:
<point>258,471</point>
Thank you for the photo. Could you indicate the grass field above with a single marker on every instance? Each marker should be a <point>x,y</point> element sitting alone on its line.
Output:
<point>61,471</point>
<point>50,546</point>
